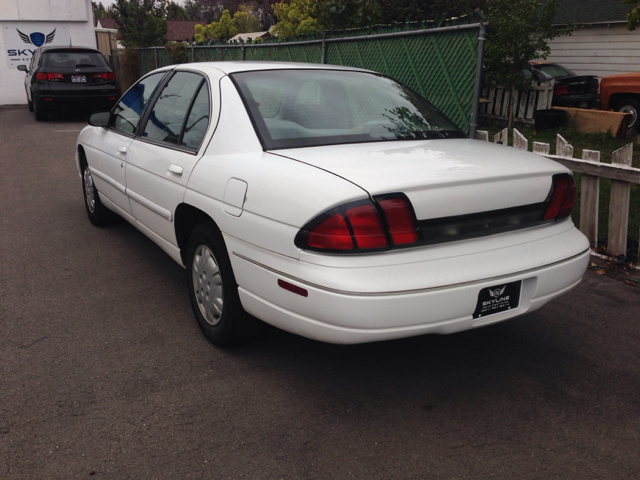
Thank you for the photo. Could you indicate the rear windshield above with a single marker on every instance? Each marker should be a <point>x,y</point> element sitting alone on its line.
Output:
<point>303,108</point>
<point>554,71</point>
<point>76,59</point>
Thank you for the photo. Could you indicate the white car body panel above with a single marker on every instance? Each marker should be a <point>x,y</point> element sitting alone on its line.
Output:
<point>261,199</point>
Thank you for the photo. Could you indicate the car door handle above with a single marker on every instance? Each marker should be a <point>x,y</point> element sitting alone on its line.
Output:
<point>176,169</point>
<point>122,149</point>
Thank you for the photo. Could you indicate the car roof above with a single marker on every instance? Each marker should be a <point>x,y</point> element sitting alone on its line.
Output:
<point>62,48</point>
<point>251,66</point>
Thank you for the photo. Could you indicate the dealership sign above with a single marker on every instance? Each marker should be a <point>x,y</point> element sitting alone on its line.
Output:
<point>22,38</point>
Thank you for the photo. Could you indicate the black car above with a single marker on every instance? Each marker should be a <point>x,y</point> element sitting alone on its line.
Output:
<point>64,78</point>
<point>570,89</point>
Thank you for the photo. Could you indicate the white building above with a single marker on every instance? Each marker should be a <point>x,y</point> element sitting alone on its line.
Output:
<point>27,24</point>
<point>601,45</point>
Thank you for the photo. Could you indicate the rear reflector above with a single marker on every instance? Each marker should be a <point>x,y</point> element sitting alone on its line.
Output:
<point>293,288</point>
<point>47,99</point>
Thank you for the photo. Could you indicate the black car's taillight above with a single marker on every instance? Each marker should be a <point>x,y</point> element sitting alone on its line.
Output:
<point>562,197</point>
<point>50,77</point>
<point>561,90</point>
<point>104,76</point>
<point>361,227</point>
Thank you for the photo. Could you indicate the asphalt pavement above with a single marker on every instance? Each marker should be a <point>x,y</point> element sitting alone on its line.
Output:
<point>105,374</point>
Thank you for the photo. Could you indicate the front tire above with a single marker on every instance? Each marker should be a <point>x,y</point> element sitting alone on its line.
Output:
<point>629,105</point>
<point>213,290</point>
<point>98,214</point>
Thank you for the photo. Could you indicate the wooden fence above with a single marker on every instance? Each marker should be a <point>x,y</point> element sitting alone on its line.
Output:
<point>620,172</point>
<point>494,101</point>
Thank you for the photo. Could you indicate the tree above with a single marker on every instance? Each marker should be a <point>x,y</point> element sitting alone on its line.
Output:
<point>142,22</point>
<point>245,22</point>
<point>220,31</point>
<point>175,11</point>
<point>421,10</point>
<point>518,32</point>
<point>633,17</point>
<point>303,17</point>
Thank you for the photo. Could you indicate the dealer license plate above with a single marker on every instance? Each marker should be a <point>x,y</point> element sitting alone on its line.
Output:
<point>499,298</point>
<point>78,79</point>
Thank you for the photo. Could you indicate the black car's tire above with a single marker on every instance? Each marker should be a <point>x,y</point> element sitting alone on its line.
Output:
<point>632,106</point>
<point>38,111</point>
<point>213,290</point>
<point>98,214</point>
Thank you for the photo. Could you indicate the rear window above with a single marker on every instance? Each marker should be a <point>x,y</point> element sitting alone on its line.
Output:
<point>554,71</point>
<point>303,108</point>
<point>75,59</point>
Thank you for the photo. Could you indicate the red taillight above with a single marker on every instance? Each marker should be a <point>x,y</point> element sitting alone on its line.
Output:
<point>104,76</point>
<point>47,77</point>
<point>366,227</point>
<point>400,220</point>
<point>331,234</point>
<point>561,90</point>
<point>562,199</point>
<point>361,227</point>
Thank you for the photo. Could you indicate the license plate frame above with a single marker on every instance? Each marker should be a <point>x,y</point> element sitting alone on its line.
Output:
<point>498,299</point>
<point>78,79</point>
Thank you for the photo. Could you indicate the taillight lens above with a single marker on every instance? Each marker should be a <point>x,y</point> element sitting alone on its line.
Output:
<point>400,220</point>
<point>563,197</point>
<point>361,227</point>
<point>104,76</point>
<point>48,77</point>
<point>561,90</point>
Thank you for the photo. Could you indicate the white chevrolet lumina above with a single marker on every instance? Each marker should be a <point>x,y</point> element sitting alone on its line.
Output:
<point>331,202</point>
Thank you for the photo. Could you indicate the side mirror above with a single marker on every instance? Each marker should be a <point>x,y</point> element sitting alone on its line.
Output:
<point>99,119</point>
<point>22,68</point>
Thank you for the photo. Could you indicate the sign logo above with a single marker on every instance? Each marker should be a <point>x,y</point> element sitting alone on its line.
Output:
<point>497,292</point>
<point>37,38</point>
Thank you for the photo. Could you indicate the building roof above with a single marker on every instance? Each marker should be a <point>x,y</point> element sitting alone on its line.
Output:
<point>106,22</point>
<point>591,11</point>
<point>181,30</point>
<point>249,35</point>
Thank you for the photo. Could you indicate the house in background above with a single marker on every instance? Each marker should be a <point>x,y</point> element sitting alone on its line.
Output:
<point>601,45</point>
<point>182,30</point>
<point>250,35</point>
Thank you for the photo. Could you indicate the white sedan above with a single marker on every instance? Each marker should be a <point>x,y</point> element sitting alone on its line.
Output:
<point>331,202</point>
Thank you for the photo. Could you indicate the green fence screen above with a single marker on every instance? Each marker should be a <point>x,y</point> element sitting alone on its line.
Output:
<point>439,63</point>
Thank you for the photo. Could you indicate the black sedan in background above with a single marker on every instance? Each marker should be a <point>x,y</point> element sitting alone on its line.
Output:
<point>570,89</point>
<point>68,78</point>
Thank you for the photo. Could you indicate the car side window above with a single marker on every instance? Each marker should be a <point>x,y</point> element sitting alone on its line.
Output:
<point>198,120</point>
<point>128,111</point>
<point>170,110</point>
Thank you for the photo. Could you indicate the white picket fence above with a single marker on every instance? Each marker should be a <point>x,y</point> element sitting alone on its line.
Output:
<point>494,101</point>
<point>620,172</point>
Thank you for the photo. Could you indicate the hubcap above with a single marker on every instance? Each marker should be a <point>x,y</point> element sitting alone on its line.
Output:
<point>89,191</point>
<point>633,112</point>
<point>207,285</point>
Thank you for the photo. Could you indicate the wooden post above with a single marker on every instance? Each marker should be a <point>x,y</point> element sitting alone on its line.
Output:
<point>589,199</point>
<point>619,204</point>
<point>563,148</point>
<point>519,141</point>
<point>482,135</point>
<point>541,148</point>
<point>502,136</point>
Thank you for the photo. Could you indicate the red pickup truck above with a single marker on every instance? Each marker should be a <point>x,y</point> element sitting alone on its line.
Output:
<point>622,94</point>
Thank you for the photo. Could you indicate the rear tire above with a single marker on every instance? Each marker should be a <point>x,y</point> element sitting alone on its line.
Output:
<point>213,290</point>
<point>632,106</point>
<point>37,111</point>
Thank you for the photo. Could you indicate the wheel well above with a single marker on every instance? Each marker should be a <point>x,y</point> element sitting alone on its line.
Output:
<point>82,157</point>
<point>616,99</point>
<point>187,218</point>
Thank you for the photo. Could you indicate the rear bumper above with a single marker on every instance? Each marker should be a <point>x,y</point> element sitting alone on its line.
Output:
<point>77,102</point>
<point>577,101</point>
<point>441,305</point>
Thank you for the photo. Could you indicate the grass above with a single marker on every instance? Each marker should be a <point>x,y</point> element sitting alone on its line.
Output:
<point>604,143</point>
